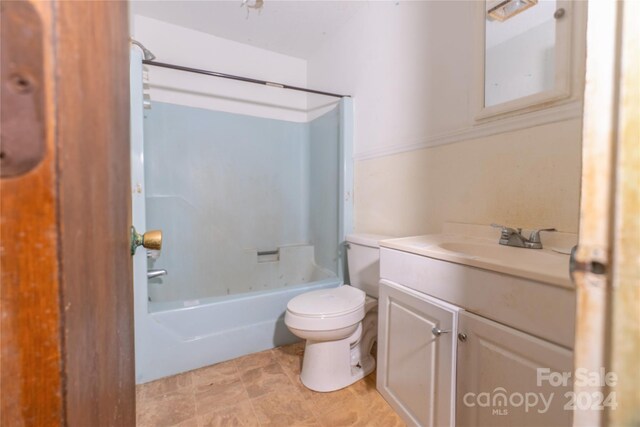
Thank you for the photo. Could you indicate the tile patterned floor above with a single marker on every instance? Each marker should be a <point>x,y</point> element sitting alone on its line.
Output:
<point>261,389</point>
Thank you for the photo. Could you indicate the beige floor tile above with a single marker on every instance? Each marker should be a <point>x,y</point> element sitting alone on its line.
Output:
<point>380,414</point>
<point>334,401</point>
<point>220,373</point>
<point>259,389</point>
<point>270,378</point>
<point>290,357</point>
<point>166,410</point>
<point>255,360</point>
<point>370,412</point>
<point>283,408</point>
<point>368,408</point>
<point>349,415</point>
<point>216,394</point>
<point>235,415</point>
<point>191,422</point>
<point>365,386</point>
<point>163,386</point>
<point>304,391</point>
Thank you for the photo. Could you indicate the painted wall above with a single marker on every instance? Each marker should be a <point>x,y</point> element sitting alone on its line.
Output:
<point>528,178</point>
<point>182,46</point>
<point>410,68</point>
<point>409,75</point>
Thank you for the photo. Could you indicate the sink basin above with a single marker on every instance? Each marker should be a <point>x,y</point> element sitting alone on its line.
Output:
<point>501,252</point>
<point>473,249</point>
<point>520,258</point>
<point>543,265</point>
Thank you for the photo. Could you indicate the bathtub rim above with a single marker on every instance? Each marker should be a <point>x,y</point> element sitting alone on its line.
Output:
<point>177,306</point>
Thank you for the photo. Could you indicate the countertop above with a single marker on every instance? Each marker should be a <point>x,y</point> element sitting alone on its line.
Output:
<point>477,246</point>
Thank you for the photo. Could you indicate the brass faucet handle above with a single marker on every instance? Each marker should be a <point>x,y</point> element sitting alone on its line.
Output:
<point>534,237</point>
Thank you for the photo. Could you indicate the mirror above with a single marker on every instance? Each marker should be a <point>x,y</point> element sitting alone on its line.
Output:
<point>525,54</point>
<point>519,50</point>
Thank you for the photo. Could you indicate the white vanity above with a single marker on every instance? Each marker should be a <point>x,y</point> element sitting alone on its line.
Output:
<point>465,323</point>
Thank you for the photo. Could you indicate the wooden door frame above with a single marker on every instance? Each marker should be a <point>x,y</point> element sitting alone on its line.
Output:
<point>608,256</point>
<point>67,349</point>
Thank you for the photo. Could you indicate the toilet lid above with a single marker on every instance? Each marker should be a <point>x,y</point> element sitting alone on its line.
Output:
<point>327,302</point>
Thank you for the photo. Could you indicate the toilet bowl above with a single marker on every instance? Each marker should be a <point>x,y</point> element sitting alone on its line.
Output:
<point>340,325</point>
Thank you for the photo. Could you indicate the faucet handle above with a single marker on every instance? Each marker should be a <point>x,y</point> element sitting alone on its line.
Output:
<point>502,227</point>
<point>507,230</point>
<point>534,237</point>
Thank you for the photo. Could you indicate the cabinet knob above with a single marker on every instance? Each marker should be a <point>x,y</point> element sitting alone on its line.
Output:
<point>437,332</point>
<point>462,337</point>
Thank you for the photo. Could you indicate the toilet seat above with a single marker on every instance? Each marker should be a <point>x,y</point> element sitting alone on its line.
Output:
<point>327,302</point>
<point>326,309</point>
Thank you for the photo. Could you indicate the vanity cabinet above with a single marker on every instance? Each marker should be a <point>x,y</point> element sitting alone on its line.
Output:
<point>502,363</point>
<point>509,311</point>
<point>416,355</point>
<point>440,365</point>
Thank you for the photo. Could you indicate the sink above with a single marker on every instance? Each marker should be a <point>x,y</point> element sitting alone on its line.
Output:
<point>527,289</point>
<point>473,249</point>
<point>521,259</point>
<point>506,254</point>
<point>543,265</point>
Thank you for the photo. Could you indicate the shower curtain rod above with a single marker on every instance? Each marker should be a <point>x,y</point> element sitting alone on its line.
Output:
<point>242,79</point>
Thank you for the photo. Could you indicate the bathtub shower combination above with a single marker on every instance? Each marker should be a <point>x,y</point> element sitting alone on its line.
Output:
<point>253,212</point>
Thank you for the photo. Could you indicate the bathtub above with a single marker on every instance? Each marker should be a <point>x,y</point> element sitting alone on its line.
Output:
<point>187,334</point>
<point>215,330</point>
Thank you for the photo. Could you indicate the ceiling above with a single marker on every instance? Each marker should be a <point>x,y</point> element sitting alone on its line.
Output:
<point>296,28</point>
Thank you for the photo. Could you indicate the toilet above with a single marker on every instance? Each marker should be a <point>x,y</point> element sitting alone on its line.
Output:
<point>340,325</point>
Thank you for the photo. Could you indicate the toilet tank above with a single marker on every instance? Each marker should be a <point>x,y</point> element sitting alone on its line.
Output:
<point>363,260</point>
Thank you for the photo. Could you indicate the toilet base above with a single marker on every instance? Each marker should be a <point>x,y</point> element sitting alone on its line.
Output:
<point>332,365</point>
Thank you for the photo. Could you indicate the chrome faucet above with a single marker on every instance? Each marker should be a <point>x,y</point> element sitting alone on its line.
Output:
<point>156,273</point>
<point>513,237</point>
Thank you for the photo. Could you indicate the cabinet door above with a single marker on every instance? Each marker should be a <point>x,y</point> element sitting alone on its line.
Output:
<point>498,374</point>
<point>416,369</point>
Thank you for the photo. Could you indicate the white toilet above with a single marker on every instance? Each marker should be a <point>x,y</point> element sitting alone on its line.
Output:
<point>340,324</point>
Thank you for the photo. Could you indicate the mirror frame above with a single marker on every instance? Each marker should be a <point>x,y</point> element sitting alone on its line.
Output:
<point>565,67</point>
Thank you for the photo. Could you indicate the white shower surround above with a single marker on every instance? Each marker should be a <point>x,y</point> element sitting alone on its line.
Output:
<point>220,328</point>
